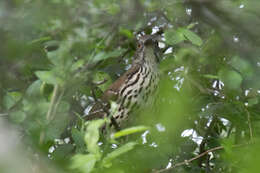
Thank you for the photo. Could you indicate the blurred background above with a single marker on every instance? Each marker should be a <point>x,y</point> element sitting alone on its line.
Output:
<point>53,54</point>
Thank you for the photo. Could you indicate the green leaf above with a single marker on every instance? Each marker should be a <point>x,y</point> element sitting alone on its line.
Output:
<point>80,63</point>
<point>57,125</point>
<point>62,151</point>
<point>101,76</point>
<point>92,136</point>
<point>242,66</point>
<point>119,151</point>
<point>129,131</point>
<point>231,78</point>
<point>104,55</point>
<point>84,163</point>
<point>34,88</point>
<point>113,107</point>
<point>126,33</point>
<point>42,39</point>
<point>11,98</point>
<point>61,56</point>
<point>210,76</point>
<point>191,25</point>
<point>48,77</point>
<point>18,116</point>
<point>46,90</point>
<point>174,37</point>
<point>228,144</point>
<point>78,138</point>
<point>54,57</point>
<point>186,52</point>
<point>252,101</point>
<point>63,107</point>
<point>191,36</point>
<point>52,43</point>
<point>100,56</point>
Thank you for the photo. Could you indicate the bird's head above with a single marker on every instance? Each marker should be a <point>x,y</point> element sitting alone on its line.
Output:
<point>147,48</point>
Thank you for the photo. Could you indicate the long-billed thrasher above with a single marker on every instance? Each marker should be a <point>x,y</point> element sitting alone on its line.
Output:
<point>135,87</point>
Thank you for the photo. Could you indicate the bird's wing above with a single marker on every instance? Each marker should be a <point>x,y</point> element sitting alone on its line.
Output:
<point>113,91</point>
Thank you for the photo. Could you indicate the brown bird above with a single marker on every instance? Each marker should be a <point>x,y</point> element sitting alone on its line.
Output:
<point>134,88</point>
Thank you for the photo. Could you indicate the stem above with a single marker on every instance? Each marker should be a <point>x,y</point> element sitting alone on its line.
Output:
<point>53,100</point>
<point>52,110</point>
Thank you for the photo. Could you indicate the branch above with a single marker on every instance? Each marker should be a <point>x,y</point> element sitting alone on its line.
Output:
<point>186,162</point>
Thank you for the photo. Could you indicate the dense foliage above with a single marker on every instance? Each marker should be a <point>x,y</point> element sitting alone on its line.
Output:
<point>58,56</point>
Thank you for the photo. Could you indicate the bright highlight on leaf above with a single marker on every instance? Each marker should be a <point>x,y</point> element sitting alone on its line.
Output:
<point>129,131</point>
<point>92,136</point>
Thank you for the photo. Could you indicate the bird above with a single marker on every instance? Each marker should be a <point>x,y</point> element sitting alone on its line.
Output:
<point>135,87</point>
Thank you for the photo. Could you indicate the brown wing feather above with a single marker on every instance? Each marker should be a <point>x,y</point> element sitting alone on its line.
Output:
<point>112,92</point>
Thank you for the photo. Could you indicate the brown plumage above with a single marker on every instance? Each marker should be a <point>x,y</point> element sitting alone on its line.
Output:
<point>134,87</point>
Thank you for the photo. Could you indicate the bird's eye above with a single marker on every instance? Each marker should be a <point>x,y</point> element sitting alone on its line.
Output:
<point>139,45</point>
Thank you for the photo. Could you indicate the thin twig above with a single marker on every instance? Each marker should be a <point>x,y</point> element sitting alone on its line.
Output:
<point>186,162</point>
<point>50,110</point>
<point>57,104</point>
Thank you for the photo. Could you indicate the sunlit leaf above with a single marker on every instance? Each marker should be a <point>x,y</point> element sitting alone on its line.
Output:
<point>84,163</point>
<point>92,136</point>
<point>129,131</point>
<point>210,76</point>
